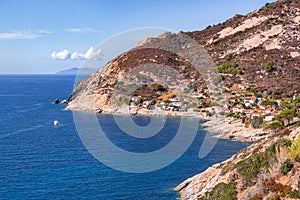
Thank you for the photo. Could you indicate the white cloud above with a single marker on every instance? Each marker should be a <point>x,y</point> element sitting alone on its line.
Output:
<point>77,56</point>
<point>18,35</point>
<point>74,30</point>
<point>24,34</point>
<point>82,30</point>
<point>94,54</point>
<point>90,54</point>
<point>61,55</point>
<point>46,31</point>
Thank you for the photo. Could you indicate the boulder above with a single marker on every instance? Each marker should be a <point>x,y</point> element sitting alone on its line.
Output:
<point>64,102</point>
<point>233,176</point>
<point>56,101</point>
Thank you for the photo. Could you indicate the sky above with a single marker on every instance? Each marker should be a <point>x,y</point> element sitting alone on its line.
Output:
<point>44,37</point>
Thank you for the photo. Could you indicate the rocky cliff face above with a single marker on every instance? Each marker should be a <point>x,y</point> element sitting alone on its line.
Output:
<point>262,170</point>
<point>258,51</point>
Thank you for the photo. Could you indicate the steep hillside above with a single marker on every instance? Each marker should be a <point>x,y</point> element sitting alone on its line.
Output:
<point>256,52</point>
<point>269,36</point>
<point>268,169</point>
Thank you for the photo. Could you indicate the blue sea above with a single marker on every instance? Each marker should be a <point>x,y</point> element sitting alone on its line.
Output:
<point>41,161</point>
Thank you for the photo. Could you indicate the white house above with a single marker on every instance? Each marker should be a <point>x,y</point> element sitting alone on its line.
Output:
<point>237,108</point>
<point>135,99</point>
<point>250,100</point>
<point>176,104</point>
<point>146,103</point>
<point>269,118</point>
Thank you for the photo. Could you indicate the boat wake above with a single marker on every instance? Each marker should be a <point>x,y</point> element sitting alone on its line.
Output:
<point>22,130</point>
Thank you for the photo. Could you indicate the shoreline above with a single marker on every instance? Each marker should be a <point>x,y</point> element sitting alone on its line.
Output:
<point>234,129</point>
<point>226,128</point>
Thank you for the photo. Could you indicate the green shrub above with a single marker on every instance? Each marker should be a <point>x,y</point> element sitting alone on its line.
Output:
<point>229,68</point>
<point>294,194</point>
<point>274,197</point>
<point>258,95</point>
<point>222,191</point>
<point>285,104</point>
<point>294,149</point>
<point>256,122</point>
<point>287,114</point>
<point>229,114</point>
<point>275,125</point>
<point>296,100</point>
<point>269,102</point>
<point>286,167</point>
<point>269,67</point>
<point>229,58</point>
<point>249,168</point>
<point>283,143</point>
<point>158,87</point>
<point>278,92</point>
<point>297,158</point>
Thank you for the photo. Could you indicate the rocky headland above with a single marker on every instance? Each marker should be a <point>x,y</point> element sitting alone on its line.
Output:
<point>265,169</point>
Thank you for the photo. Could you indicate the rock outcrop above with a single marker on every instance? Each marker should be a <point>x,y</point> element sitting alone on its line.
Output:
<point>255,172</point>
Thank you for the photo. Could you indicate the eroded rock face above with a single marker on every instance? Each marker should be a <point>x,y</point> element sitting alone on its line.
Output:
<point>228,172</point>
<point>82,97</point>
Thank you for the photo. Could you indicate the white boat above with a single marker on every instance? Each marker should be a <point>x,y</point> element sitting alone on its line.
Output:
<point>56,122</point>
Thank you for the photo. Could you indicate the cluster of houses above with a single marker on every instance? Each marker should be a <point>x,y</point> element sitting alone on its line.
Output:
<point>172,104</point>
<point>247,106</point>
<point>252,107</point>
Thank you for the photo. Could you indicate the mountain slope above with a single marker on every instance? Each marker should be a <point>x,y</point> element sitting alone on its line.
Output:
<point>259,51</point>
<point>268,35</point>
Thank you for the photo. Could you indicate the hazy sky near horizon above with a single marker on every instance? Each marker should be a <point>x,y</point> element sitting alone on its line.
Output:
<point>48,36</point>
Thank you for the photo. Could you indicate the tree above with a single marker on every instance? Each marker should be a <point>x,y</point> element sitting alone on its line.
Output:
<point>285,104</point>
<point>275,125</point>
<point>259,95</point>
<point>256,122</point>
<point>269,102</point>
<point>296,103</point>
<point>286,167</point>
<point>287,114</point>
<point>158,87</point>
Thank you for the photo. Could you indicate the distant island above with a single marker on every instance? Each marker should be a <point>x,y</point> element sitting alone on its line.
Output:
<point>75,70</point>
